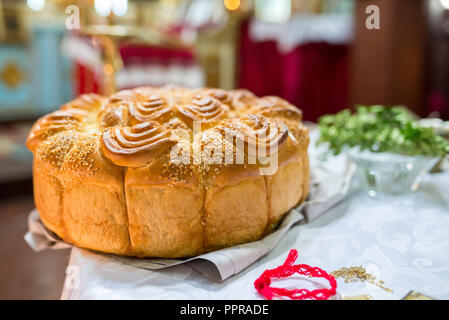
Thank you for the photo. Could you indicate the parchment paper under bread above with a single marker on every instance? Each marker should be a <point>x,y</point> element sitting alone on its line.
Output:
<point>329,185</point>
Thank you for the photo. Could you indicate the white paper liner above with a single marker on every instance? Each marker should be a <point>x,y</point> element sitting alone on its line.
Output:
<point>329,185</point>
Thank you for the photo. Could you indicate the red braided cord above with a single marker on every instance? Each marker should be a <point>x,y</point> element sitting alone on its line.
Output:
<point>262,284</point>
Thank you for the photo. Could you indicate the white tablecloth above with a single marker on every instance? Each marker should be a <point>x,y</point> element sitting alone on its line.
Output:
<point>402,240</point>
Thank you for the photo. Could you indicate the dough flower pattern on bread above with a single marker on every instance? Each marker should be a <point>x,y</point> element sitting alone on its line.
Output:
<point>168,171</point>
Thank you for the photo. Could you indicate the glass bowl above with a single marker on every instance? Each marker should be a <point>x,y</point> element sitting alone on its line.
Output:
<point>390,173</point>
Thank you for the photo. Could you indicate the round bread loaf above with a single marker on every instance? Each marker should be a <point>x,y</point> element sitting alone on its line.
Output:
<point>168,172</point>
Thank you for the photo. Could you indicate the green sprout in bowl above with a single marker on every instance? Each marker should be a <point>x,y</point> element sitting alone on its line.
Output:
<point>380,129</point>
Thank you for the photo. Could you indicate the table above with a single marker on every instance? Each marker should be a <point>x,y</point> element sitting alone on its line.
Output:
<point>402,240</point>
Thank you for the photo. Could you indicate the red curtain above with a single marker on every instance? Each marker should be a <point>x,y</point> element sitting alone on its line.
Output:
<point>130,53</point>
<point>314,76</point>
<point>85,81</point>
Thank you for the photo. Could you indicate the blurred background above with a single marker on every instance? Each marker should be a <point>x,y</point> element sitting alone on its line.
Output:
<point>317,54</point>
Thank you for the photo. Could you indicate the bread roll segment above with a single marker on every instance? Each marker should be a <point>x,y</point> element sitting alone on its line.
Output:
<point>235,207</point>
<point>93,201</point>
<point>165,210</point>
<point>129,195</point>
<point>48,196</point>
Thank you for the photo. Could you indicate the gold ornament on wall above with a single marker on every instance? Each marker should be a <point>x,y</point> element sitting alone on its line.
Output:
<point>11,75</point>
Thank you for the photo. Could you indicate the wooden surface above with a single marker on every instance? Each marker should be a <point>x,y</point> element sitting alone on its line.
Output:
<point>25,274</point>
<point>388,64</point>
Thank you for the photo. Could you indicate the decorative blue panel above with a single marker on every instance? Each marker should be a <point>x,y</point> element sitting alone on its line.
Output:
<point>34,79</point>
<point>51,72</point>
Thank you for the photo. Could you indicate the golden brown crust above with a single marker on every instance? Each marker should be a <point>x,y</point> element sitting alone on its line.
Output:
<point>146,172</point>
<point>256,134</point>
<point>135,146</point>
